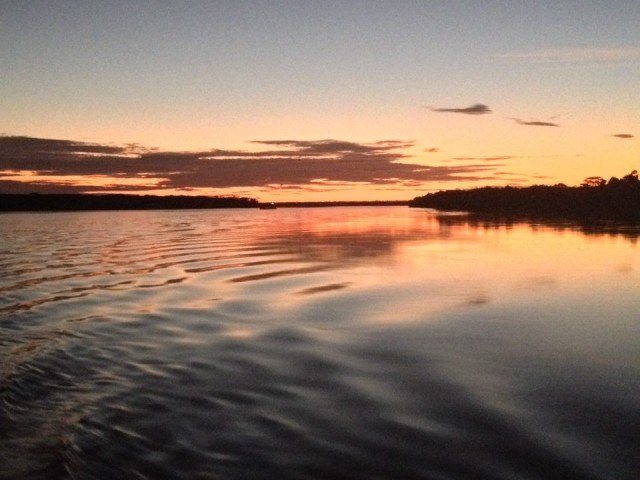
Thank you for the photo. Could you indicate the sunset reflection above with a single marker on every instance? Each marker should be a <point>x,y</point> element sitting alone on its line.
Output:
<point>300,240</point>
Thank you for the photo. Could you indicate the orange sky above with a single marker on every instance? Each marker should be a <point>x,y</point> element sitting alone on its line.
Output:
<point>217,76</point>
<point>521,154</point>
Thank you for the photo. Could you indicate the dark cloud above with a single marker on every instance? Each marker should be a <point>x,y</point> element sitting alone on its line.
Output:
<point>622,135</point>
<point>23,145</point>
<point>13,186</point>
<point>319,147</point>
<point>286,164</point>
<point>476,109</point>
<point>535,123</point>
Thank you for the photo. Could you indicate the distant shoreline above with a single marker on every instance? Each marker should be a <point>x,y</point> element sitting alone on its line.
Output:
<point>617,199</point>
<point>59,202</point>
<point>381,203</point>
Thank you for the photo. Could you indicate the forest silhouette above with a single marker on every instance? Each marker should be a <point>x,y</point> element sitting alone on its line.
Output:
<point>617,198</point>
<point>79,201</point>
<point>595,198</point>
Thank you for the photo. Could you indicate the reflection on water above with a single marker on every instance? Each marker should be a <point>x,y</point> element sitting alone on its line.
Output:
<point>317,343</point>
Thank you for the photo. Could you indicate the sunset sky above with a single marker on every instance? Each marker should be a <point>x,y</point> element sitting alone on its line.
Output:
<point>321,100</point>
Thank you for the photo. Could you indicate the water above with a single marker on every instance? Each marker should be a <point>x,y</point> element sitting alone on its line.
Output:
<point>317,343</point>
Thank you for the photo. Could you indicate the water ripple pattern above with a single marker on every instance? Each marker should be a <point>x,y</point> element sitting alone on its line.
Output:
<point>364,343</point>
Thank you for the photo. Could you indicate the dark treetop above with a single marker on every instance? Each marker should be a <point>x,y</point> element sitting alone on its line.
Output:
<point>594,198</point>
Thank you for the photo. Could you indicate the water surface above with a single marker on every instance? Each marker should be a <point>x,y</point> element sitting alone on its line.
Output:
<point>317,343</point>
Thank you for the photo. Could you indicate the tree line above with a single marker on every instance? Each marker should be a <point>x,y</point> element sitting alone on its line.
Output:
<point>79,201</point>
<point>617,198</point>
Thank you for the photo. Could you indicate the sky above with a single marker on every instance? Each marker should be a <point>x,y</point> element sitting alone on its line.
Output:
<point>311,101</point>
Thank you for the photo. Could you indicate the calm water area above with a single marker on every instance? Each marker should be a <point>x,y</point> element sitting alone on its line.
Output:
<point>351,342</point>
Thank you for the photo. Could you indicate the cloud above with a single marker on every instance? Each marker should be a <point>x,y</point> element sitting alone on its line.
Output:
<point>574,55</point>
<point>476,109</point>
<point>622,135</point>
<point>22,145</point>
<point>431,150</point>
<point>318,147</point>
<point>69,184</point>
<point>33,164</point>
<point>535,123</point>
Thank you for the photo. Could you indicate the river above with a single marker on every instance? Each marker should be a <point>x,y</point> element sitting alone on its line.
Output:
<point>351,342</point>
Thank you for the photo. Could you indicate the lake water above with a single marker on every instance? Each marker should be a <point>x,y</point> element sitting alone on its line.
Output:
<point>317,343</point>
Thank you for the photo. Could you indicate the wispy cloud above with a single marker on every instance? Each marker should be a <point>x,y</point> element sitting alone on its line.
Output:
<point>575,54</point>
<point>535,123</point>
<point>483,159</point>
<point>431,150</point>
<point>33,164</point>
<point>476,109</point>
<point>622,135</point>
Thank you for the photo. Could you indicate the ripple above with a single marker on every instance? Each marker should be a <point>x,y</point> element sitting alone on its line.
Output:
<point>16,307</point>
<point>170,281</point>
<point>280,273</point>
<point>324,288</point>
<point>315,343</point>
